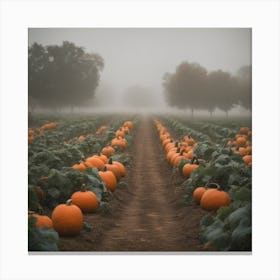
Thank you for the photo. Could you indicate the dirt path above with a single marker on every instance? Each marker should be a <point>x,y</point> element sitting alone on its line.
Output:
<point>148,214</point>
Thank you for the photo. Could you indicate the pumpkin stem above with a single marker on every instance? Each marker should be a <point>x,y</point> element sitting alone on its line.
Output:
<point>83,187</point>
<point>69,202</point>
<point>176,144</point>
<point>31,212</point>
<point>195,160</point>
<point>110,161</point>
<point>215,184</point>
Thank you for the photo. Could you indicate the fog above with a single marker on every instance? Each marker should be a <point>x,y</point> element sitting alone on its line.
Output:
<point>139,57</point>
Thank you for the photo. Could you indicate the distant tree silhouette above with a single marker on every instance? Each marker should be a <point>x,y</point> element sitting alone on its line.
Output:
<point>186,87</point>
<point>60,76</point>
<point>192,87</point>
<point>244,78</point>
<point>222,88</point>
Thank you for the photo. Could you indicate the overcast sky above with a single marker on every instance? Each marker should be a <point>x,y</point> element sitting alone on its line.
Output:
<point>140,56</point>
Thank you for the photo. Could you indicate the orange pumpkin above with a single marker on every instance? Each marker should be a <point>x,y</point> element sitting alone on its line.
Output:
<point>129,124</point>
<point>119,142</point>
<point>81,167</point>
<point>87,201</point>
<point>244,130</point>
<point>197,194</point>
<point>43,221</point>
<point>109,179</point>
<point>94,161</point>
<point>188,168</point>
<point>114,168</point>
<point>67,219</point>
<point>81,138</point>
<point>189,140</point>
<point>104,158</point>
<point>120,132</point>
<point>121,167</point>
<point>248,160</point>
<point>213,199</point>
<point>241,141</point>
<point>108,151</point>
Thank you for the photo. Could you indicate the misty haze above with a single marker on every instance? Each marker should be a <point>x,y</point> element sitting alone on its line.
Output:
<point>141,58</point>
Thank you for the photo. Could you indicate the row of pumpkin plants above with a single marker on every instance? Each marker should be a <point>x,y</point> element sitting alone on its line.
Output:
<point>87,184</point>
<point>218,178</point>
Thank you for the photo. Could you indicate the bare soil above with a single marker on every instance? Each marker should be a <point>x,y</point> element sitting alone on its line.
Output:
<point>146,213</point>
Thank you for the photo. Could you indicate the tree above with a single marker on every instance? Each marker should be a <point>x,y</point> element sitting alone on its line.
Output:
<point>186,87</point>
<point>221,91</point>
<point>61,76</point>
<point>244,79</point>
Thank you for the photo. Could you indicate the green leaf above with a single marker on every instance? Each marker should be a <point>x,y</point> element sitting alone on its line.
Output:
<point>54,193</point>
<point>223,212</point>
<point>243,194</point>
<point>239,214</point>
<point>241,238</point>
<point>41,239</point>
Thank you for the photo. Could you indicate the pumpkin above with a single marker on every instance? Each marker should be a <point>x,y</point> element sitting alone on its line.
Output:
<point>189,154</point>
<point>114,168</point>
<point>164,136</point>
<point>171,153</point>
<point>177,159</point>
<point>166,141</point>
<point>129,124</point>
<point>87,201</point>
<point>81,167</point>
<point>120,132</point>
<point>189,140</point>
<point>241,141</point>
<point>170,146</point>
<point>249,150</point>
<point>244,130</point>
<point>43,221</point>
<point>67,219</point>
<point>104,158</point>
<point>100,130</point>
<point>109,179</point>
<point>188,168</point>
<point>48,126</point>
<point>81,138</point>
<point>121,167</point>
<point>94,161</point>
<point>119,142</point>
<point>213,199</point>
<point>108,151</point>
<point>197,194</point>
<point>243,151</point>
<point>248,160</point>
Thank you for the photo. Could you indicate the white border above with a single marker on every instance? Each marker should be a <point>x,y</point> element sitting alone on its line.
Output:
<point>262,16</point>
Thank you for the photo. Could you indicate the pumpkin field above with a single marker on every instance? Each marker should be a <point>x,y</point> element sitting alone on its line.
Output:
<point>141,183</point>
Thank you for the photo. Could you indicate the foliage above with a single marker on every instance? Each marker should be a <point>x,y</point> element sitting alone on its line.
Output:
<point>60,76</point>
<point>41,239</point>
<point>191,86</point>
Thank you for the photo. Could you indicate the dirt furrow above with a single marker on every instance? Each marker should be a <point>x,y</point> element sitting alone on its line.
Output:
<point>147,213</point>
<point>150,221</point>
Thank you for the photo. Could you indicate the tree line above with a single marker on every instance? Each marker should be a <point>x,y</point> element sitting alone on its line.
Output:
<point>193,87</point>
<point>62,76</point>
